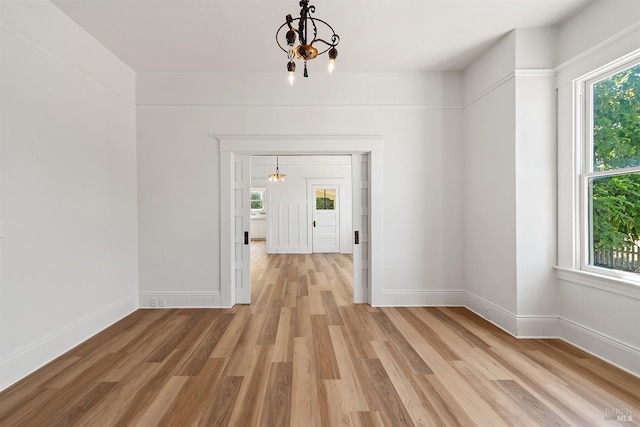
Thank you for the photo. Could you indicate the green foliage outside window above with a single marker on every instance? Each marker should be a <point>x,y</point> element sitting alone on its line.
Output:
<point>616,121</point>
<point>616,211</point>
<point>324,203</point>
<point>256,200</point>
<point>616,144</point>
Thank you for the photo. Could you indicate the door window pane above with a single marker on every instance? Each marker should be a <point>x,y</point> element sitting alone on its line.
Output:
<point>325,199</point>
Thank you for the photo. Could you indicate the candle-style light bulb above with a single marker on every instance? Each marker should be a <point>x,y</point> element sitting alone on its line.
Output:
<point>333,54</point>
<point>291,68</point>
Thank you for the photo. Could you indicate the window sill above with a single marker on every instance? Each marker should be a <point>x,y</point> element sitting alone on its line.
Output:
<point>599,281</point>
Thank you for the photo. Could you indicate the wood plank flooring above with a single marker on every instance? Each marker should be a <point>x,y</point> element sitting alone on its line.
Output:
<point>303,355</point>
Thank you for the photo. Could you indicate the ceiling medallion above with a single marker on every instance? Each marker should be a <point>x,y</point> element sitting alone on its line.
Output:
<point>306,50</point>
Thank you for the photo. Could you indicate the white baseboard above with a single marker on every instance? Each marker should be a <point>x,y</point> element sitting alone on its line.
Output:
<point>289,250</point>
<point>518,326</point>
<point>626,357</point>
<point>423,298</point>
<point>538,327</point>
<point>609,349</point>
<point>28,359</point>
<point>495,314</point>
<point>180,299</point>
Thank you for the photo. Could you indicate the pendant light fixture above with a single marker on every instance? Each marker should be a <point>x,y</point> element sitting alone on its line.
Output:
<point>306,50</point>
<point>275,177</point>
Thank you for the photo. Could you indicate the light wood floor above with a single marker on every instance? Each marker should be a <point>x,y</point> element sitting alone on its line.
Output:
<point>303,355</point>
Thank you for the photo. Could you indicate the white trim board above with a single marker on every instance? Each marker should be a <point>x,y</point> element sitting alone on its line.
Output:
<point>423,298</point>
<point>289,250</point>
<point>502,318</point>
<point>32,357</point>
<point>296,144</point>
<point>602,346</point>
<point>609,349</point>
<point>598,281</point>
<point>194,299</point>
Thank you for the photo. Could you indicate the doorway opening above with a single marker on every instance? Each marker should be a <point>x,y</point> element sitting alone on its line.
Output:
<point>306,244</point>
<point>235,159</point>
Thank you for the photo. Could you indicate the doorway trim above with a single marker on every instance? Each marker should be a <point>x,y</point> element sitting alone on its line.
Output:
<point>230,146</point>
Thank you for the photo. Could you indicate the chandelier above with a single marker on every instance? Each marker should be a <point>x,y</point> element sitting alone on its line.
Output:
<point>306,50</point>
<point>275,177</point>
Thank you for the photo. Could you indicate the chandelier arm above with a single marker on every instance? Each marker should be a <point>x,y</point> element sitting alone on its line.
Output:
<point>329,46</point>
<point>315,30</point>
<point>335,39</point>
<point>325,42</point>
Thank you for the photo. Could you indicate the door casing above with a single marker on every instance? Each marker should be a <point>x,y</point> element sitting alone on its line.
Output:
<point>230,146</point>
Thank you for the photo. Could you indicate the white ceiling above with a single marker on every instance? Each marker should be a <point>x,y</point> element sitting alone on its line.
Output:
<point>238,36</point>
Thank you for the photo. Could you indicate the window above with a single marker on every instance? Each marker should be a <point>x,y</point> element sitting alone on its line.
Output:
<point>257,200</point>
<point>611,171</point>
<point>325,199</point>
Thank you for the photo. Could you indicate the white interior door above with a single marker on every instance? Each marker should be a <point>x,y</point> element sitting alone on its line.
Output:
<point>326,218</point>
<point>242,223</point>
<point>360,212</point>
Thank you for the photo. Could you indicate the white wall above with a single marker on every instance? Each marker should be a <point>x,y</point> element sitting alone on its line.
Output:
<point>68,247</point>
<point>599,27</point>
<point>179,117</point>
<point>288,204</point>
<point>595,313</point>
<point>509,184</point>
<point>519,172</point>
<point>488,170</point>
<point>536,201</point>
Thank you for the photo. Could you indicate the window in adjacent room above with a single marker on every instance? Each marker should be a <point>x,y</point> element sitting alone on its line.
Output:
<point>257,200</point>
<point>611,171</point>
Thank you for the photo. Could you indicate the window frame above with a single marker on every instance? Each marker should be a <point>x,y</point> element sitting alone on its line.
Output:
<point>584,155</point>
